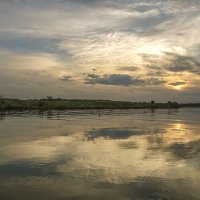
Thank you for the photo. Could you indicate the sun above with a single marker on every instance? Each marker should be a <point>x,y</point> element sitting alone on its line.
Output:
<point>178,87</point>
<point>177,84</point>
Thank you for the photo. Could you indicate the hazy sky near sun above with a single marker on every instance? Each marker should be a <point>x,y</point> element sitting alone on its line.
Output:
<point>134,50</point>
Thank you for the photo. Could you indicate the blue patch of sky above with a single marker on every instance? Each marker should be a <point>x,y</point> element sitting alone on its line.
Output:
<point>29,45</point>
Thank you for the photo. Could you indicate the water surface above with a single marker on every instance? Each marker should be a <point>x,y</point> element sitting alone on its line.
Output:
<point>108,154</point>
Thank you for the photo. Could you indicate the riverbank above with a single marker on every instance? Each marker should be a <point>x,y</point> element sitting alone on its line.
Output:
<point>60,104</point>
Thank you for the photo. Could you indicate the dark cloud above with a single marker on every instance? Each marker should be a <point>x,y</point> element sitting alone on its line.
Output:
<point>180,68</point>
<point>58,1</point>
<point>177,83</point>
<point>114,79</point>
<point>27,45</point>
<point>178,63</point>
<point>155,81</point>
<point>157,73</point>
<point>93,76</point>
<point>121,80</point>
<point>171,62</point>
<point>66,78</point>
<point>185,1</point>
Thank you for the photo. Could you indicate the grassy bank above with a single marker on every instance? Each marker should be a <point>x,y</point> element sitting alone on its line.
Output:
<point>50,103</point>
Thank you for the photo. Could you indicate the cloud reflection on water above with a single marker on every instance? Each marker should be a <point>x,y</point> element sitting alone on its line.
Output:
<point>91,158</point>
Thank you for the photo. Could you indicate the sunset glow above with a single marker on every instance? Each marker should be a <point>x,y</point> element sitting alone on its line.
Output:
<point>121,50</point>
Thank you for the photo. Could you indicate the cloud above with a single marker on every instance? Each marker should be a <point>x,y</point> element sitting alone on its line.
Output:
<point>170,62</point>
<point>160,73</point>
<point>93,76</point>
<point>114,79</point>
<point>121,80</point>
<point>66,78</point>
<point>179,63</point>
<point>109,36</point>
<point>180,68</point>
<point>155,81</point>
<point>177,83</point>
<point>128,68</point>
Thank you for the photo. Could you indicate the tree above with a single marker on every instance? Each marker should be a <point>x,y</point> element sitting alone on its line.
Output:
<point>41,103</point>
<point>152,102</point>
<point>49,97</point>
<point>2,100</point>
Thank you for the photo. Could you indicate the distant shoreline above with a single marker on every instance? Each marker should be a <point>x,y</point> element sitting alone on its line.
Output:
<point>50,103</point>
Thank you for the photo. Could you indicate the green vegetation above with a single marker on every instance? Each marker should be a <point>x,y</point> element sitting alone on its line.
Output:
<point>50,103</point>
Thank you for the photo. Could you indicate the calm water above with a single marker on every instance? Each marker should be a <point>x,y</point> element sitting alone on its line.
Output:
<point>86,155</point>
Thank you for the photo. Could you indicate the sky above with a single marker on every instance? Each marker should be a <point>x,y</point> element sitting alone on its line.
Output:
<point>134,50</point>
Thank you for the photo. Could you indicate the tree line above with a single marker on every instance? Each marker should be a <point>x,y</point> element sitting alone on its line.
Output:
<point>58,103</point>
